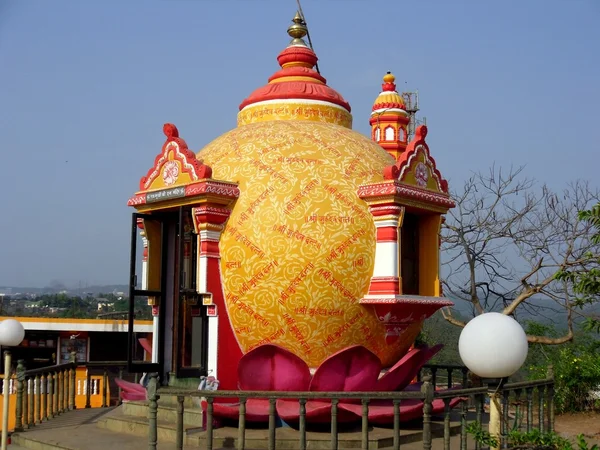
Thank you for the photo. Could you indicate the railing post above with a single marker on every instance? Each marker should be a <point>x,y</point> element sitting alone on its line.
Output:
<point>20,384</point>
<point>463,425</point>
<point>38,400</point>
<point>56,377</point>
<point>529,393</point>
<point>427,391</point>
<point>272,436</point>
<point>31,402</point>
<point>153,411</point>
<point>25,401</point>
<point>550,391</point>
<point>334,422</point>
<point>179,432</point>
<point>241,444</point>
<point>447,423</point>
<point>44,393</point>
<point>104,388</point>
<point>209,423</point>
<point>120,400</point>
<point>72,381</point>
<point>396,441</point>
<point>479,401</point>
<point>505,428</point>
<point>541,395</point>
<point>65,391</point>
<point>88,388</point>
<point>50,379</point>
<point>365,424</point>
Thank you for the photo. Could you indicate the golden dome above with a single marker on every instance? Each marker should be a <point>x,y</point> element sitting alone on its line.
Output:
<point>389,100</point>
<point>298,251</point>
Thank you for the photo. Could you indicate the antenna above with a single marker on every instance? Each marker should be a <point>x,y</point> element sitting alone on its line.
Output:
<point>307,33</point>
<point>411,100</point>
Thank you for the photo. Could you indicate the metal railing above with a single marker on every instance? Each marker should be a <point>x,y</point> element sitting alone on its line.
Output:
<point>519,402</point>
<point>47,392</point>
<point>44,393</point>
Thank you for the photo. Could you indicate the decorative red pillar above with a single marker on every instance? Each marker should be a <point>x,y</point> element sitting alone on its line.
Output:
<point>223,349</point>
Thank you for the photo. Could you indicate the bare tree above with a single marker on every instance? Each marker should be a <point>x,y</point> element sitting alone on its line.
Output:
<point>507,239</point>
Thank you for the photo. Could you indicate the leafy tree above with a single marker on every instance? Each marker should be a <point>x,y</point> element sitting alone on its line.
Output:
<point>507,243</point>
<point>586,279</point>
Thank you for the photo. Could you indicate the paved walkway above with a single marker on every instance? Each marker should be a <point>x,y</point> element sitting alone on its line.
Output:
<point>78,430</point>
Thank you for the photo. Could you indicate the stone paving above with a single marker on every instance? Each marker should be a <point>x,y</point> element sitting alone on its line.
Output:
<point>78,430</point>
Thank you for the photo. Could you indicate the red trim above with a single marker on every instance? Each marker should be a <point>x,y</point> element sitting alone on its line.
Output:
<point>189,163</point>
<point>297,72</point>
<point>387,234</point>
<point>296,61</point>
<point>211,215</point>
<point>296,90</point>
<point>216,188</point>
<point>229,352</point>
<point>386,210</point>
<point>396,171</point>
<point>402,190</point>
<point>388,118</point>
<point>384,286</point>
<point>388,105</point>
<point>209,248</point>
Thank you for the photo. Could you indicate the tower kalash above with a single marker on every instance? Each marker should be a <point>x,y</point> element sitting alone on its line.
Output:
<point>293,253</point>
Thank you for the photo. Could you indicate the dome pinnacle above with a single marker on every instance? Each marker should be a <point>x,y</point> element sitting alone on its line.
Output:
<point>388,82</point>
<point>297,30</point>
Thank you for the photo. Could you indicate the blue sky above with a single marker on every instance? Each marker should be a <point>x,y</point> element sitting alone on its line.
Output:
<point>86,86</point>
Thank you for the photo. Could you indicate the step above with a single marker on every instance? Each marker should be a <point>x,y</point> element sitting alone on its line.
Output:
<point>287,438</point>
<point>166,413</point>
<point>119,422</point>
<point>81,437</point>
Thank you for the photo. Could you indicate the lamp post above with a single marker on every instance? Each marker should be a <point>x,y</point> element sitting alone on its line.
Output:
<point>493,346</point>
<point>11,335</point>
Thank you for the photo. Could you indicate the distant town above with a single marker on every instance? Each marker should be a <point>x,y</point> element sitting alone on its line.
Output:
<point>109,301</point>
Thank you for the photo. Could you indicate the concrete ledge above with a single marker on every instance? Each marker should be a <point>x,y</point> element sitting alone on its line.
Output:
<point>167,413</point>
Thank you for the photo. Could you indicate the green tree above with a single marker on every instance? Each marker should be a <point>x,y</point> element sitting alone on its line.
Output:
<point>506,243</point>
<point>586,280</point>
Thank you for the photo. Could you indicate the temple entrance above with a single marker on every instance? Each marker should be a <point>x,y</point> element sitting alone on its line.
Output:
<point>167,266</point>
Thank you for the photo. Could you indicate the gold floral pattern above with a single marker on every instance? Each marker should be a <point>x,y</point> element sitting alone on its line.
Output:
<point>298,250</point>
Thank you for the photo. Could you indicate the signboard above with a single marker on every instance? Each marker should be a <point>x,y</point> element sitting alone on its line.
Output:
<point>165,194</point>
<point>211,310</point>
<point>206,298</point>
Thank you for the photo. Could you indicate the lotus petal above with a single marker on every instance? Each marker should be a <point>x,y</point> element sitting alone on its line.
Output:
<point>317,411</point>
<point>400,372</point>
<point>133,396</point>
<point>353,369</point>
<point>423,358</point>
<point>146,345</point>
<point>257,410</point>
<point>265,368</point>
<point>272,368</point>
<point>381,412</point>
<point>128,386</point>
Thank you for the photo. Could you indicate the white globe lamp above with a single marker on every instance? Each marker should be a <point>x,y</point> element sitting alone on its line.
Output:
<point>11,335</point>
<point>493,346</point>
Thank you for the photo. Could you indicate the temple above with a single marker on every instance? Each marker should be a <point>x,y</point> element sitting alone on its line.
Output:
<point>290,235</point>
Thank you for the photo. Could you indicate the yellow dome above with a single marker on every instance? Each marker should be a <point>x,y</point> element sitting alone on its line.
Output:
<point>389,100</point>
<point>298,250</point>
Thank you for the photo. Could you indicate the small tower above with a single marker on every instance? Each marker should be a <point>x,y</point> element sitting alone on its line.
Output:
<point>389,119</point>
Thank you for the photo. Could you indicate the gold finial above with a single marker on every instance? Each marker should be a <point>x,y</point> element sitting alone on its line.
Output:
<point>297,30</point>
<point>389,77</point>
